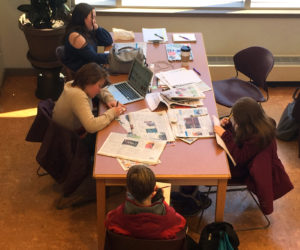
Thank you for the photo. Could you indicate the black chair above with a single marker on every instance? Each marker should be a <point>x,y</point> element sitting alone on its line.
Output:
<point>67,72</point>
<point>115,241</point>
<point>254,62</point>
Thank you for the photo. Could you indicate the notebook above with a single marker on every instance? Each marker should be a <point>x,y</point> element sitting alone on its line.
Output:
<point>136,87</point>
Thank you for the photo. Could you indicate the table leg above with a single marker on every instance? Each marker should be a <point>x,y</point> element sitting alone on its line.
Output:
<point>221,198</point>
<point>101,207</point>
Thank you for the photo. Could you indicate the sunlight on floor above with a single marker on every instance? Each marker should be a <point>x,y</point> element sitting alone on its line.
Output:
<point>19,113</point>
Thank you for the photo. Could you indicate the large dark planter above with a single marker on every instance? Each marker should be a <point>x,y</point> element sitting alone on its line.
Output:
<point>42,45</point>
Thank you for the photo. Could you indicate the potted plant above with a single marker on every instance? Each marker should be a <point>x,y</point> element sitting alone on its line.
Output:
<point>43,24</point>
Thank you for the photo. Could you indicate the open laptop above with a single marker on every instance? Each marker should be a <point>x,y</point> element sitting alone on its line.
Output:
<point>136,87</point>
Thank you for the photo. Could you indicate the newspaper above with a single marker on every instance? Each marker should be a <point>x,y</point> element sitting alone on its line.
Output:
<point>132,148</point>
<point>220,142</point>
<point>193,122</point>
<point>154,125</point>
<point>155,99</point>
<point>126,164</point>
<point>187,92</point>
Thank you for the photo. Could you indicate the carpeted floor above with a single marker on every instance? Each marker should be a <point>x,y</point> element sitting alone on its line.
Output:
<point>29,218</point>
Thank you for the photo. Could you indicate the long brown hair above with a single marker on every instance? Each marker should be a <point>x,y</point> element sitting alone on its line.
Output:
<point>77,24</point>
<point>252,123</point>
<point>88,74</point>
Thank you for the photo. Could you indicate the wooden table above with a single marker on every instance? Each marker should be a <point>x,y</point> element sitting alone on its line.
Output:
<point>202,163</point>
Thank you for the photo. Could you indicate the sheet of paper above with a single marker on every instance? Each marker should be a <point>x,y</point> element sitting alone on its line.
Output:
<point>184,37</point>
<point>179,76</point>
<point>155,35</point>
<point>166,188</point>
<point>219,140</point>
<point>132,148</point>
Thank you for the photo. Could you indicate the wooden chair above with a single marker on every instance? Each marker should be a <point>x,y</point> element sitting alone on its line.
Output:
<point>115,241</point>
<point>254,62</point>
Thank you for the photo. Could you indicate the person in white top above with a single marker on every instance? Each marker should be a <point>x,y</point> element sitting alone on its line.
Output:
<point>73,108</point>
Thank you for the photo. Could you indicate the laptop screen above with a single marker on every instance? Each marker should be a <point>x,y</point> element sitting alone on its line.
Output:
<point>140,77</point>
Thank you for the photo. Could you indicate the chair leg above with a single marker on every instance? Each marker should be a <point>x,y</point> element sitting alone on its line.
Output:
<point>267,224</point>
<point>40,173</point>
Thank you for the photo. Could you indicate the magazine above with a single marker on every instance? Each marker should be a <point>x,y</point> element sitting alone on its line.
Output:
<point>174,51</point>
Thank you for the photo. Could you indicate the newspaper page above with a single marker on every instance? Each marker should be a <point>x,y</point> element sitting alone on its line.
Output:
<point>132,148</point>
<point>153,125</point>
<point>219,140</point>
<point>193,122</point>
<point>189,92</point>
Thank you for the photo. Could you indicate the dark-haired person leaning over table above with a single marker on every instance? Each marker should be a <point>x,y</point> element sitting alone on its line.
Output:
<point>73,109</point>
<point>82,37</point>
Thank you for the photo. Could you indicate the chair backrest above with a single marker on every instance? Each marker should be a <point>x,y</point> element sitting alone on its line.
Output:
<point>40,124</point>
<point>115,241</point>
<point>60,54</point>
<point>256,63</point>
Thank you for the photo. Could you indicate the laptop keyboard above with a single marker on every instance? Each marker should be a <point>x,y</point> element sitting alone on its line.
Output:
<point>126,91</point>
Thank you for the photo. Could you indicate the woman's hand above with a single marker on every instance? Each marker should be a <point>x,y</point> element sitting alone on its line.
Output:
<point>119,107</point>
<point>224,121</point>
<point>219,130</point>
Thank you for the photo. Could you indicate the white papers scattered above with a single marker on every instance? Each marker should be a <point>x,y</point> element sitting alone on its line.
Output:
<point>184,37</point>
<point>132,148</point>
<point>186,92</point>
<point>155,99</point>
<point>191,122</point>
<point>179,76</point>
<point>219,140</point>
<point>155,35</point>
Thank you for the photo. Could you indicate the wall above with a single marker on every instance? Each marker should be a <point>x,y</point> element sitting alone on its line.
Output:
<point>222,35</point>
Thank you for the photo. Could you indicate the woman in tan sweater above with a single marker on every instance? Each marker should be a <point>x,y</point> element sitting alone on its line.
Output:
<point>73,109</point>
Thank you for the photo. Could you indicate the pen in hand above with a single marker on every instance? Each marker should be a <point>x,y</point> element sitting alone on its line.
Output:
<point>117,104</point>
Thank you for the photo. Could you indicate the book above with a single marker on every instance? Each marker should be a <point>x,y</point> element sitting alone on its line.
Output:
<point>184,37</point>
<point>220,142</point>
<point>174,51</point>
<point>166,189</point>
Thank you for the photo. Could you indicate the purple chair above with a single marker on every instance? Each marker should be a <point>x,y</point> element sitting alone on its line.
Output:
<point>254,62</point>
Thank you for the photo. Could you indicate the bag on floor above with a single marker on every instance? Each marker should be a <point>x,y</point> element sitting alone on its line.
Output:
<point>120,60</point>
<point>288,125</point>
<point>218,236</point>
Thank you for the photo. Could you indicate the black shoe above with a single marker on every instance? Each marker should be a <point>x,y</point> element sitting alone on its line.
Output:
<point>188,205</point>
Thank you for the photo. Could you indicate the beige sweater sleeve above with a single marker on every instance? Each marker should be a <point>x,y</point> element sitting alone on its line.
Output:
<point>82,109</point>
<point>106,96</point>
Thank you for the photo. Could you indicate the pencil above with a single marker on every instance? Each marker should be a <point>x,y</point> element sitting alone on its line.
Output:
<point>230,115</point>
<point>161,37</point>
<point>185,38</point>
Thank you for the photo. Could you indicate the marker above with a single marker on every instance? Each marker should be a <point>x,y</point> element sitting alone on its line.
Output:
<point>184,38</point>
<point>159,36</point>
<point>197,71</point>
